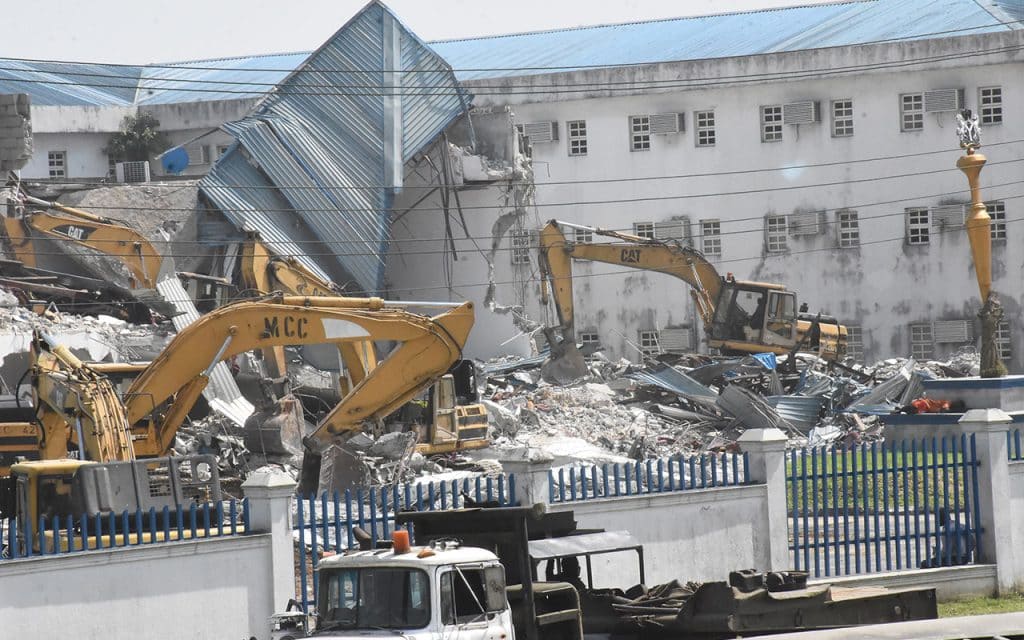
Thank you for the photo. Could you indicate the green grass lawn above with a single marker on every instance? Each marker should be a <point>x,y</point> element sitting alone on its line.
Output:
<point>981,606</point>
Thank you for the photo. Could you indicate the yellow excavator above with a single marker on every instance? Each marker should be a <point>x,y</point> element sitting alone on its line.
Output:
<point>739,316</point>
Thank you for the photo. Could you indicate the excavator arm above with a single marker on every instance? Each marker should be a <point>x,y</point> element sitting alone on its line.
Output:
<point>428,347</point>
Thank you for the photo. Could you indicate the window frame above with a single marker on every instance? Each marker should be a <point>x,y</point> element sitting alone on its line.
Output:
<point>912,119</point>
<point>582,236</point>
<point>221,150</point>
<point>711,237</point>
<point>771,123</point>
<point>644,229</point>
<point>521,242</point>
<point>855,343</point>
<point>842,123</point>
<point>848,228</point>
<point>997,220</point>
<point>589,337</point>
<point>58,170</point>
<point>776,236</point>
<point>576,141</point>
<point>918,232</point>
<point>649,341</point>
<point>1004,341</point>
<point>991,112</point>
<point>922,341</point>
<point>704,135</point>
<point>640,133</point>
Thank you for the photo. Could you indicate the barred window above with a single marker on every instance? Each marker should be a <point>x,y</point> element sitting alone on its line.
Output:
<point>577,137</point>
<point>918,227</point>
<point>1003,341</point>
<point>775,234</point>
<point>644,230</point>
<point>855,343</point>
<point>639,133</point>
<point>711,237</point>
<point>649,342</point>
<point>58,163</point>
<point>590,339</point>
<point>520,247</point>
<point>997,222</point>
<point>583,235</point>
<point>848,228</point>
<point>922,347</point>
<point>990,102</point>
<point>911,112</point>
<point>771,123</point>
<point>842,118</point>
<point>705,129</point>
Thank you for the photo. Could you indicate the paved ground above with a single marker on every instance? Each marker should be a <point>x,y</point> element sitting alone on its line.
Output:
<point>1001,624</point>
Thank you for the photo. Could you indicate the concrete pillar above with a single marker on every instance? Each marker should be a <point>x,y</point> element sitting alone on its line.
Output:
<point>989,427</point>
<point>767,460</point>
<point>531,472</point>
<point>270,497</point>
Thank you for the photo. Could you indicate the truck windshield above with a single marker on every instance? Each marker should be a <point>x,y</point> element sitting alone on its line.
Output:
<point>375,598</point>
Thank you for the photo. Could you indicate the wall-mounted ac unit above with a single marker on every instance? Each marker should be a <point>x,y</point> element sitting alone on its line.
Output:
<point>666,123</point>
<point>940,100</point>
<point>952,331</point>
<point>804,112</point>
<point>137,171</point>
<point>806,223</point>
<point>539,132</point>
<point>948,215</point>
<point>677,229</point>
<point>676,339</point>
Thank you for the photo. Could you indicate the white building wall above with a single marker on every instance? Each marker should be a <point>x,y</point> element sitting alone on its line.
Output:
<point>883,285</point>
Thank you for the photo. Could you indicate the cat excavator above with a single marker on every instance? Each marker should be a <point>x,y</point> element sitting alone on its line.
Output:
<point>739,317</point>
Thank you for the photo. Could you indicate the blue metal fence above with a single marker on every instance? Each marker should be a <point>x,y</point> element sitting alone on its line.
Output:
<point>327,522</point>
<point>1013,445</point>
<point>611,480</point>
<point>55,535</point>
<point>884,507</point>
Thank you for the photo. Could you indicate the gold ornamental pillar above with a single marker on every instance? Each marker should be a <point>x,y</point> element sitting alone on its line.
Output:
<point>980,236</point>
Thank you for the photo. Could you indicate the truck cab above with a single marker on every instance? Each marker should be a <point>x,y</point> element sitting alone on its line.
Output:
<point>440,591</point>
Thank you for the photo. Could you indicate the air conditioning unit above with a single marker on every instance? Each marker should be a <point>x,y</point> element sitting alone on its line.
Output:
<point>804,112</point>
<point>541,131</point>
<point>666,123</point>
<point>676,339</point>
<point>952,331</point>
<point>678,230</point>
<point>806,223</point>
<point>940,100</point>
<point>948,215</point>
<point>137,171</point>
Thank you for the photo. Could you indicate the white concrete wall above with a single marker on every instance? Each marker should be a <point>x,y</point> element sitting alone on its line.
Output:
<point>1016,491</point>
<point>214,588</point>
<point>687,535</point>
<point>84,155</point>
<point>883,285</point>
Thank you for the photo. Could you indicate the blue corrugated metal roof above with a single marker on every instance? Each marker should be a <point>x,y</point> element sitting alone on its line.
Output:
<point>70,83</point>
<point>718,36</point>
<point>313,146</point>
<point>221,79</point>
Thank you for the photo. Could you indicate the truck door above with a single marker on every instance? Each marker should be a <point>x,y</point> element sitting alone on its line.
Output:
<point>473,602</point>
<point>780,319</point>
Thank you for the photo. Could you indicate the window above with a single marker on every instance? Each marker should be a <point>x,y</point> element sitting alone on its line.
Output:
<point>911,112</point>
<point>990,103</point>
<point>842,118</point>
<point>705,129</point>
<point>639,133</point>
<point>855,343</point>
<point>711,237</point>
<point>590,339</point>
<point>198,154</point>
<point>921,345</point>
<point>917,225</point>
<point>997,222</point>
<point>58,164</point>
<point>520,247</point>
<point>848,228</point>
<point>381,597</point>
<point>221,150</point>
<point>469,594</point>
<point>650,344</point>
<point>775,234</point>
<point>577,137</point>
<point>771,123</point>
<point>583,235</point>
<point>644,230</point>
<point>1003,341</point>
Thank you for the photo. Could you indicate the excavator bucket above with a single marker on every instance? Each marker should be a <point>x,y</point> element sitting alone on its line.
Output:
<point>565,364</point>
<point>276,430</point>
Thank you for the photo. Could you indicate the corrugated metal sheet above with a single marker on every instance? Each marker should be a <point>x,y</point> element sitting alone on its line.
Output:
<point>219,79</point>
<point>800,411</point>
<point>330,154</point>
<point>676,381</point>
<point>698,38</point>
<point>78,84</point>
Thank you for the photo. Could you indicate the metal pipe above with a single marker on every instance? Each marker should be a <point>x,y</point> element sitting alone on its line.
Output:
<point>81,438</point>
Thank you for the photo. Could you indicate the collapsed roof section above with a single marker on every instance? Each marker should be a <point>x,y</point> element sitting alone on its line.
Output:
<point>320,158</point>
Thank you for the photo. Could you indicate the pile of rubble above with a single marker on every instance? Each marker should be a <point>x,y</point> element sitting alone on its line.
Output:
<point>689,404</point>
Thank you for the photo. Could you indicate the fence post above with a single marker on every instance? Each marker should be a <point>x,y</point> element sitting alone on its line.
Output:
<point>767,459</point>
<point>270,497</point>
<point>531,472</point>
<point>989,428</point>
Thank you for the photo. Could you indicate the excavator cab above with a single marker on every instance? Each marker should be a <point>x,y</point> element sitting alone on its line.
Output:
<point>458,422</point>
<point>752,313</point>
